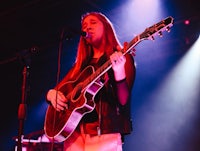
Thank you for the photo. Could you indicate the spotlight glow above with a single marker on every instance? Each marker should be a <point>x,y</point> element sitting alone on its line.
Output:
<point>175,104</point>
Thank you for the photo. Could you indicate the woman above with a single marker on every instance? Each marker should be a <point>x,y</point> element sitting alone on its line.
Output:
<point>103,128</point>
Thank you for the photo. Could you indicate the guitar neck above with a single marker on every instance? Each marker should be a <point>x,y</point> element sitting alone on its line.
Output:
<point>148,34</point>
<point>107,65</point>
<point>98,73</point>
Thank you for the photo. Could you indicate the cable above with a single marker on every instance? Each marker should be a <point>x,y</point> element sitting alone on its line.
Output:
<point>57,79</point>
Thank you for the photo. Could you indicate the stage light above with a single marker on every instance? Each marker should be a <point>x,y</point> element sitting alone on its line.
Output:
<point>187,22</point>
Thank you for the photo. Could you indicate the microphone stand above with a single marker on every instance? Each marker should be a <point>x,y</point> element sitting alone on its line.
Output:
<point>25,58</point>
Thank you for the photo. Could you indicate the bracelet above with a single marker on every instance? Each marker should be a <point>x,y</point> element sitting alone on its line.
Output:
<point>120,81</point>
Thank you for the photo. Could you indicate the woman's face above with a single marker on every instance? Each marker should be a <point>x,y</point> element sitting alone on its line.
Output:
<point>94,28</point>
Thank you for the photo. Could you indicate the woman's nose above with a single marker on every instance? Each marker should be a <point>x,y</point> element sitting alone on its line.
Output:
<point>88,28</point>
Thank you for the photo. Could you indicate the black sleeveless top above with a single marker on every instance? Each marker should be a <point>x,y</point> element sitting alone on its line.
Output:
<point>108,116</point>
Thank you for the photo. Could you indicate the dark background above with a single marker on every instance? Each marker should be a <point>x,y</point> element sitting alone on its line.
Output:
<point>29,36</point>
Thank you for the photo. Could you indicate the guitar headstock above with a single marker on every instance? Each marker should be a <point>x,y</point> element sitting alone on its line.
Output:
<point>157,28</point>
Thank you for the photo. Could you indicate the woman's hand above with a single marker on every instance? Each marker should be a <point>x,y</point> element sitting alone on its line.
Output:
<point>57,99</point>
<point>118,62</point>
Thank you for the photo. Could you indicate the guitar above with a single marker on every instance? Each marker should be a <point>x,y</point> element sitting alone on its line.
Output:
<point>59,126</point>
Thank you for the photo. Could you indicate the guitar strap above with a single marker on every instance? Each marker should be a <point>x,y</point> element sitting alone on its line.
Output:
<point>99,115</point>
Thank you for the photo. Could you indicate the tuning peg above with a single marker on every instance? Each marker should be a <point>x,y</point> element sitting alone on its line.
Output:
<point>160,34</point>
<point>152,38</point>
<point>168,29</point>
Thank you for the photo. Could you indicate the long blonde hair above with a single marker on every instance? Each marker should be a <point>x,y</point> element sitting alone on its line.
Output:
<point>85,52</point>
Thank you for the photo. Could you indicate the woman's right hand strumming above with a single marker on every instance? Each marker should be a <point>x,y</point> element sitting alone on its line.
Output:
<point>57,99</point>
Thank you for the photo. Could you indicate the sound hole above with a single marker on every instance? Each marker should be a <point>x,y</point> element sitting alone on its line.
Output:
<point>76,92</point>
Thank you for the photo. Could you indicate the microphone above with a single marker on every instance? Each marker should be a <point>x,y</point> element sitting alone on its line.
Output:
<point>84,34</point>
